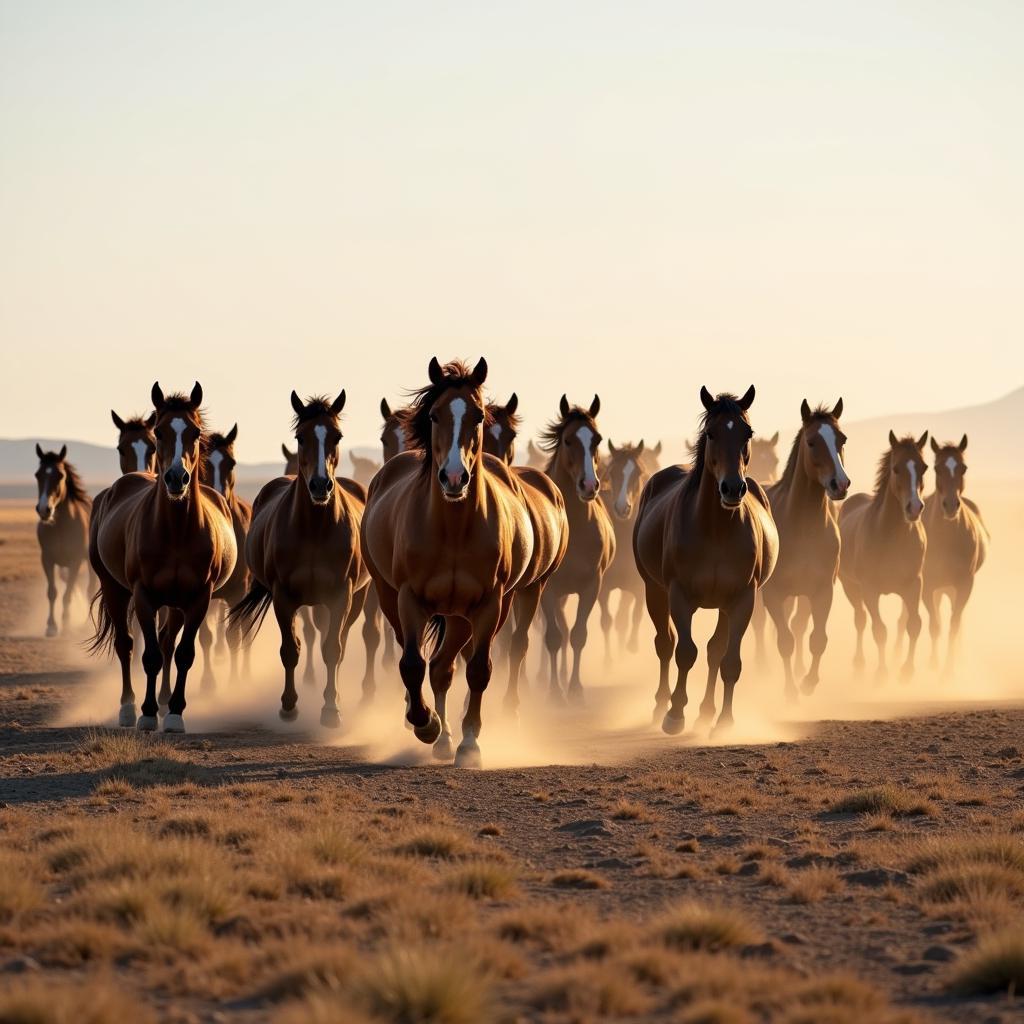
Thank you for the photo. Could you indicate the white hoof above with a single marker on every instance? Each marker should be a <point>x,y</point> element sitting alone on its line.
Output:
<point>127,715</point>
<point>146,723</point>
<point>174,723</point>
<point>468,755</point>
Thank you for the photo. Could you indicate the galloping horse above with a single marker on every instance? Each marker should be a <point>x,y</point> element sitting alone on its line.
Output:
<point>764,459</point>
<point>705,538</point>
<point>627,473</point>
<point>63,507</point>
<point>303,549</point>
<point>883,546</point>
<point>452,539</point>
<point>501,429</point>
<point>291,468</point>
<point>161,543</point>
<point>808,534</point>
<point>136,443</point>
<point>572,443</point>
<point>957,545</point>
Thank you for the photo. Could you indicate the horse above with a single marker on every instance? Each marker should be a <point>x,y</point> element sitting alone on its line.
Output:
<point>802,504</point>
<point>957,545</point>
<point>883,547</point>
<point>155,543</point>
<point>572,442</point>
<point>453,539</point>
<point>136,443</point>
<point>363,470</point>
<point>501,429</point>
<point>705,538</point>
<point>651,458</point>
<point>393,437</point>
<point>291,461</point>
<point>536,458</point>
<point>627,472</point>
<point>291,468</point>
<point>303,549</point>
<point>64,508</point>
<point>764,459</point>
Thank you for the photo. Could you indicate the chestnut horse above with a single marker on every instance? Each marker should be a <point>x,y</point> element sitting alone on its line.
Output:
<point>453,538</point>
<point>957,545</point>
<point>705,538</point>
<point>626,474</point>
<point>808,526</point>
<point>572,443</point>
<point>64,508</point>
<point>136,443</point>
<point>160,543</point>
<point>501,429</point>
<point>883,547</point>
<point>303,549</point>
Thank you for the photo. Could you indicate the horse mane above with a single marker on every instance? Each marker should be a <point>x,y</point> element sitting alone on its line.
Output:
<point>457,374</point>
<point>551,436</point>
<point>726,404</point>
<point>75,488</point>
<point>514,419</point>
<point>138,422</point>
<point>317,405</point>
<point>885,468</point>
<point>819,414</point>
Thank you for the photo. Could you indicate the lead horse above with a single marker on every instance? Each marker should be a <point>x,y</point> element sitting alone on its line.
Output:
<point>452,538</point>
<point>705,538</point>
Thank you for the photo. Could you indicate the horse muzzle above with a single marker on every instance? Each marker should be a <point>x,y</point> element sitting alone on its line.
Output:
<point>837,490</point>
<point>45,513</point>
<point>176,481</point>
<point>912,511</point>
<point>951,509</point>
<point>453,485</point>
<point>624,512</point>
<point>732,493</point>
<point>320,488</point>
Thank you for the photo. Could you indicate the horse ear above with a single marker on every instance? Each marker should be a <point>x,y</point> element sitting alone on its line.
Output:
<point>892,439</point>
<point>434,371</point>
<point>805,411</point>
<point>232,434</point>
<point>640,446</point>
<point>118,422</point>
<point>297,404</point>
<point>39,451</point>
<point>157,395</point>
<point>563,406</point>
<point>385,409</point>
<point>748,398</point>
<point>196,398</point>
<point>513,404</point>
<point>595,405</point>
<point>657,448</point>
<point>935,446</point>
<point>963,443</point>
<point>774,439</point>
<point>837,409</point>
<point>284,451</point>
<point>611,447</point>
<point>479,374</point>
<point>151,420</point>
<point>338,404</point>
<point>63,453</point>
<point>922,440</point>
<point>706,398</point>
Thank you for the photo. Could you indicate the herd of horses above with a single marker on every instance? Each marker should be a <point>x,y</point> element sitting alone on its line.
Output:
<point>459,547</point>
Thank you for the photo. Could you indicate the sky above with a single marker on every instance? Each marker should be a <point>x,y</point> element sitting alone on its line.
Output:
<point>632,199</point>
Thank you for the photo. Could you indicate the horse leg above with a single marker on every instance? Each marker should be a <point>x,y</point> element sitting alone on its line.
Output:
<point>171,621</point>
<point>556,627</point>
<point>931,597</point>
<point>732,665</point>
<point>578,638</point>
<point>912,603</point>
<point>603,599</point>
<point>716,651</point>
<point>457,633</point>
<point>880,634</point>
<point>486,623</point>
<point>309,642</point>
<point>207,683</point>
<point>681,611</point>
<point>116,600</point>
<point>820,605</point>
<point>51,596</point>
<point>221,646</point>
<point>798,626</point>
<point>331,649</point>
<point>759,621</point>
<point>961,595</point>
<point>69,591</point>
<point>234,640</point>
<point>425,722</point>
<point>371,641</point>
<point>777,606</point>
<point>525,604</point>
<point>152,657</point>
<point>184,656</point>
<point>860,621</point>
<point>633,646</point>
<point>656,599</point>
<point>284,611</point>
<point>626,599</point>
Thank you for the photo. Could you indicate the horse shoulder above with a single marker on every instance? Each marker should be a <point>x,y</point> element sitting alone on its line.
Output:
<point>353,488</point>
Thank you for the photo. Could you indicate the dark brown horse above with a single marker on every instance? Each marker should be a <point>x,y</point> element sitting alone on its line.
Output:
<point>883,547</point>
<point>136,443</point>
<point>501,428</point>
<point>453,539</point>
<point>64,508</point>
<point>303,549</point>
<point>626,474</point>
<point>957,545</point>
<point>808,526</point>
<point>705,538</point>
<point>157,543</point>
<point>572,442</point>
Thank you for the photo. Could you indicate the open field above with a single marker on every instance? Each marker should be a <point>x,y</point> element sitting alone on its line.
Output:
<point>868,867</point>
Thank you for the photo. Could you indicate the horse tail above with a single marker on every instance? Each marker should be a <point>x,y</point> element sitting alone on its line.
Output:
<point>102,639</point>
<point>248,615</point>
<point>434,633</point>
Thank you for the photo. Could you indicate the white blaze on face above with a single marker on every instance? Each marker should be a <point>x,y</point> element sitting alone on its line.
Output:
<point>178,425</point>
<point>140,448</point>
<point>951,465</point>
<point>454,467</point>
<point>400,439</point>
<point>321,455</point>
<point>622,501</point>
<point>585,436</point>
<point>496,431</point>
<point>828,435</point>
<point>729,425</point>
<point>216,458</point>
<point>44,494</point>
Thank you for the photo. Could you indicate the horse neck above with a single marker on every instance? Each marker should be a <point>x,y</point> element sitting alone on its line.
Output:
<point>802,493</point>
<point>707,502</point>
<point>184,515</point>
<point>454,512</point>
<point>309,517</point>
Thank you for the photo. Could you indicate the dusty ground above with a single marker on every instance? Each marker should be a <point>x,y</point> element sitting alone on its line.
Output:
<point>868,870</point>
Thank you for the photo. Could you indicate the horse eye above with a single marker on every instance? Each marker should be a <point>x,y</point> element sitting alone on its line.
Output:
<point>433,417</point>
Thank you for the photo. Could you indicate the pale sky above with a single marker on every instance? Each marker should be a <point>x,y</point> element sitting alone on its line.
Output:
<point>819,198</point>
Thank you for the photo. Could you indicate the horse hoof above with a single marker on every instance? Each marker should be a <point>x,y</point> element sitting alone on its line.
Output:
<point>468,756</point>
<point>672,725</point>
<point>704,720</point>
<point>289,714</point>
<point>330,718</point>
<point>126,716</point>
<point>807,687</point>
<point>443,749</point>
<point>428,733</point>
<point>721,729</point>
<point>51,629</point>
<point>174,723</point>
<point>146,723</point>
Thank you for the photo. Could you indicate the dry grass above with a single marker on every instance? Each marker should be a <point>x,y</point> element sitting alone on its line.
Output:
<point>693,926</point>
<point>40,1001</point>
<point>481,880</point>
<point>813,884</point>
<point>886,799</point>
<point>579,878</point>
<point>996,964</point>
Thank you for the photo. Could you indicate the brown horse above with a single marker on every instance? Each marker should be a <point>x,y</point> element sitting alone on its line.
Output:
<point>303,549</point>
<point>572,442</point>
<point>764,459</point>
<point>705,538</point>
<point>808,526</point>
<point>883,547</point>
<point>626,474</point>
<point>291,468</point>
<point>291,461</point>
<point>536,458</point>
<point>957,545</point>
<point>501,428</point>
<point>136,443</point>
<point>651,458</point>
<point>64,508</point>
<point>161,543</point>
<point>453,538</point>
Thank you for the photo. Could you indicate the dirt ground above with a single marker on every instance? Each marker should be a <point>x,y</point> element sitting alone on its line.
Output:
<point>865,867</point>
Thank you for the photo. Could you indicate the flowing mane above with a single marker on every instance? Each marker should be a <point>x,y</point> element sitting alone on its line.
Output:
<point>75,488</point>
<point>418,427</point>
<point>551,436</point>
<point>138,423</point>
<point>820,414</point>
<point>513,418</point>
<point>316,405</point>
<point>885,468</point>
<point>724,404</point>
